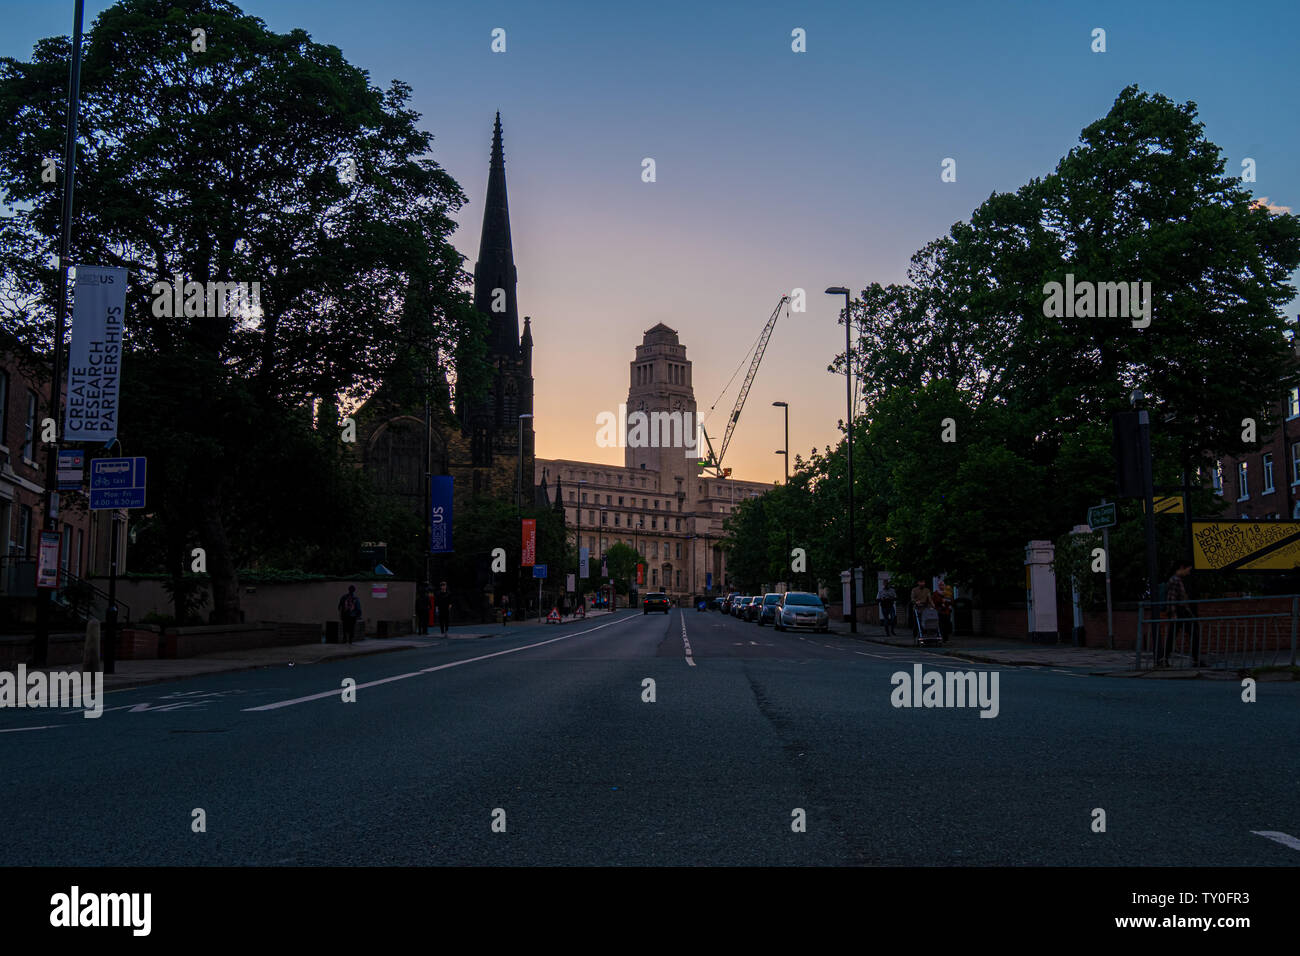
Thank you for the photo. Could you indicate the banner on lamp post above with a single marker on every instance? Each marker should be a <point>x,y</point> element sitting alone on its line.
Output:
<point>95,356</point>
<point>441,488</point>
<point>529,543</point>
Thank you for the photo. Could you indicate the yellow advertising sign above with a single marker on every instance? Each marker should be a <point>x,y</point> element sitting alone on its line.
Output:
<point>1239,545</point>
<point>1166,504</point>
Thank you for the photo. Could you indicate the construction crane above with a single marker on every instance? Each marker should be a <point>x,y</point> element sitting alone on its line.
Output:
<point>712,464</point>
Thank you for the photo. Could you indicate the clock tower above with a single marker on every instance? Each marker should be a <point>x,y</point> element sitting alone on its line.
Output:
<point>661,382</point>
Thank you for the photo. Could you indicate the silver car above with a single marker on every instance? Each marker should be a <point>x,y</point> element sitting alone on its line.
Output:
<point>800,609</point>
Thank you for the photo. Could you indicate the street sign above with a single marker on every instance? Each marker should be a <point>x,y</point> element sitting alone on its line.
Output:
<point>539,570</point>
<point>117,483</point>
<point>47,565</point>
<point>72,469</point>
<point>379,591</point>
<point>1101,516</point>
<point>1243,545</point>
<point>1165,504</point>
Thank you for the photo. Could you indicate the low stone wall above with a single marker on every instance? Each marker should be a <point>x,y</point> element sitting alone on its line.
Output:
<point>62,649</point>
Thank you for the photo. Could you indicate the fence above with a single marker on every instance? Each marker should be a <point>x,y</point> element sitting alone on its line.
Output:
<point>1227,634</point>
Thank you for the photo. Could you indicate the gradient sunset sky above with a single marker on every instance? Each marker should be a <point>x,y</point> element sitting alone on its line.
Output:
<point>775,169</point>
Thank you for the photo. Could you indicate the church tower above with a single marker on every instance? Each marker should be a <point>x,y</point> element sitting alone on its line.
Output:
<point>493,424</point>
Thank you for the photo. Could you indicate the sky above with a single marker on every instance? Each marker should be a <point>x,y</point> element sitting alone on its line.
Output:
<point>775,170</point>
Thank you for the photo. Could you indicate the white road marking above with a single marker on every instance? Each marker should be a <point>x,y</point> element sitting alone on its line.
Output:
<point>1285,839</point>
<point>429,670</point>
<point>690,660</point>
<point>15,730</point>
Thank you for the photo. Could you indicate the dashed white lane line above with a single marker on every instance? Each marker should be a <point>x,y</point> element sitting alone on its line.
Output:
<point>1285,839</point>
<point>429,670</point>
<point>690,660</point>
<point>15,730</point>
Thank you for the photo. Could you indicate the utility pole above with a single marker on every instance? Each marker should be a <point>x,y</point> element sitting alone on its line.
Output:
<point>41,640</point>
<point>848,430</point>
<point>785,453</point>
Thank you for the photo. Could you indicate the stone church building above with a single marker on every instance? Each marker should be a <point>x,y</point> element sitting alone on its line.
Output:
<point>480,444</point>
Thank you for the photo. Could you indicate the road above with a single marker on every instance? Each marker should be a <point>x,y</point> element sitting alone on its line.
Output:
<point>549,727</point>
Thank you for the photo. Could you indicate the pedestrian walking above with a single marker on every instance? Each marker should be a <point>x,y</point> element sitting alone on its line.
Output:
<point>888,600</point>
<point>941,600</point>
<point>920,598</point>
<point>1181,616</point>
<point>349,612</point>
<point>442,604</point>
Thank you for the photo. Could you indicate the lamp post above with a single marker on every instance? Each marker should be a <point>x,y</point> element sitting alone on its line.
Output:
<point>848,391</point>
<point>581,494</point>
<point>785,453</point>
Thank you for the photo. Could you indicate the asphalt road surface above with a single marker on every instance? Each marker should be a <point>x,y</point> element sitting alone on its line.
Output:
<point>547,734</point>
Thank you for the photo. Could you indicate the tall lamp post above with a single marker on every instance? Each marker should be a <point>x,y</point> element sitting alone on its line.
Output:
<point>848,391</point>
<point>785,453</point>
<point>582,493</point>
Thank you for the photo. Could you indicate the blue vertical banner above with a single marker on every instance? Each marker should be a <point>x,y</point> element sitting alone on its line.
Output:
<point>440,494</point>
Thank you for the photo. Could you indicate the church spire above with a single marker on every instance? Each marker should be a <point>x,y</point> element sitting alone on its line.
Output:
<point>494,273</point>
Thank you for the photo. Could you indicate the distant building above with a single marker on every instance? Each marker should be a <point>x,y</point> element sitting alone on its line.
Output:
<point>659,502</point>
<point>1265,483</point>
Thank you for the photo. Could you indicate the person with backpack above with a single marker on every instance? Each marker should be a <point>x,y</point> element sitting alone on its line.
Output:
<point>442,604</point>
<point>888,599</point>
<point>349,612</point>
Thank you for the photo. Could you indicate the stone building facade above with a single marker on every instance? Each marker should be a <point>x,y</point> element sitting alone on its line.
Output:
<point>659,502</point>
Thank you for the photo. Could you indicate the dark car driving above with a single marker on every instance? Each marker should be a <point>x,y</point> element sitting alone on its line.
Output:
<point>655,601</point>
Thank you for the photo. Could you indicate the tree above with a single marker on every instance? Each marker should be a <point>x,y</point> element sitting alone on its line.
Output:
<point>264,158</point>
<point>622,559</point>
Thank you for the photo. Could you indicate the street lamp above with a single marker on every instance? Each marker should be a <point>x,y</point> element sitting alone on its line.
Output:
<point>848,389</point>
<point>785,453</point>
<point>581,495</point>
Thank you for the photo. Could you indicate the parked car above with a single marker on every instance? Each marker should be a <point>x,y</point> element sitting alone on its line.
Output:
<point>736,604</point>
<point>751,609</point>
<point>728,601</point>
<point>767,610</point>
<point>655,601</point>
<point>800,609</point>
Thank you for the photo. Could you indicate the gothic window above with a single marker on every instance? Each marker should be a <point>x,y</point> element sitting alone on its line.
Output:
<point>511,406</point>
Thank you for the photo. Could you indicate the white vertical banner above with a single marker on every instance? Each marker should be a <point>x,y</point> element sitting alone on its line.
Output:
<point>94,364</point>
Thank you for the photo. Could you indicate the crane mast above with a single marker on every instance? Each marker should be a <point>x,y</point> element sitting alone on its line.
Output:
<point>713,464</point>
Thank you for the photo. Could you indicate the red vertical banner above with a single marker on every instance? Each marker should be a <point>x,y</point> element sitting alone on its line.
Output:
<point>530,543</point>
<point>640,575</point>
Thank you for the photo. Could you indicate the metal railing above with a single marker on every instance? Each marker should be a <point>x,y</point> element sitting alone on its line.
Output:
<point>79,597</point>
<point>1235,634</point>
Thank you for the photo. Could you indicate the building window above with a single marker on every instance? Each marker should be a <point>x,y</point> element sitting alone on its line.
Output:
<point>1243,483</point>
<point>679,524</point>
<point>1216,478</point>
<point>1293,403</point>
<point>604,517</point>
<point>654,523</point>
<point>609,499</point>
<point>679,580</point>
<point>678,553</point>
<point>1295,462</point>
<point>656,504</point>
<point>616,519</point>
<point>24,530</point>
<point>4,408</point>
<point>572,495</point>
<point>620,499</point>
<point>654,576</point>
<point>1268,473</point>
<point>29,433</point>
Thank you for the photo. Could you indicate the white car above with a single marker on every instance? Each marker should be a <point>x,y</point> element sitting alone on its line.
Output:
<point>801,610</point>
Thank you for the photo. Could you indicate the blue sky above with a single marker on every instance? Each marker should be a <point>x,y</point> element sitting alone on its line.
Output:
<point>774,169</point>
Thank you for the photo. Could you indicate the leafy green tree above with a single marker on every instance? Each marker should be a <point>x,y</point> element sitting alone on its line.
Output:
<point>622,559</point>
<point>265,158</point>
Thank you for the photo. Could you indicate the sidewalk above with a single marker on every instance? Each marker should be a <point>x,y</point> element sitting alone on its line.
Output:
<point>138,673</point>
<point>991,649</point>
